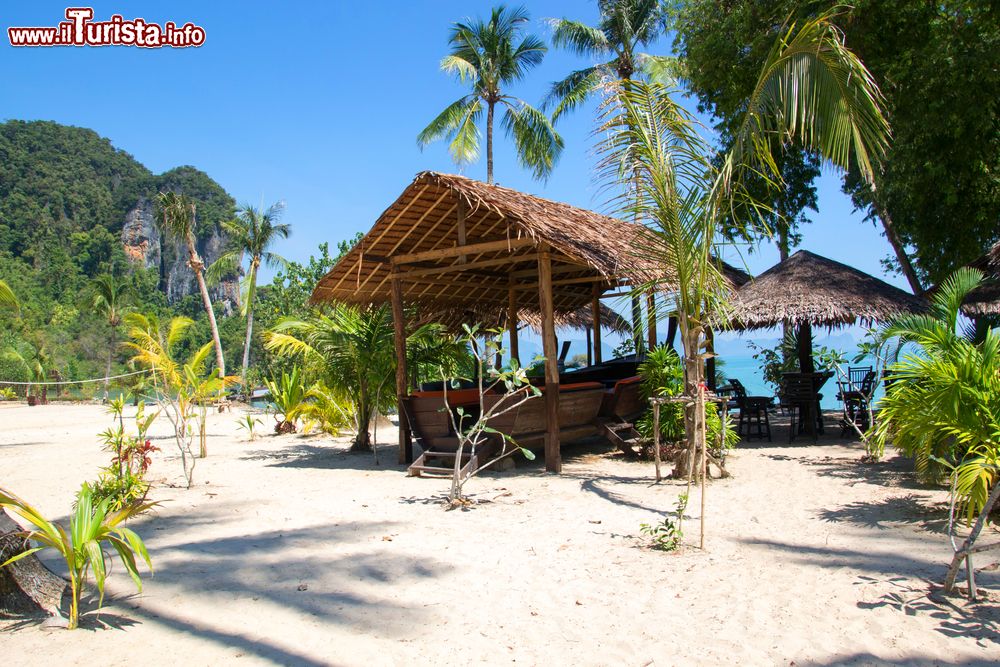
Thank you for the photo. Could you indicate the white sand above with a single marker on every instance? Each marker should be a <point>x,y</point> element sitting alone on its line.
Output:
<point>811,559</point>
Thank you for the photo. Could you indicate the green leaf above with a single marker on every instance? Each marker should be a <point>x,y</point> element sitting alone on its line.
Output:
<point>528,454</point>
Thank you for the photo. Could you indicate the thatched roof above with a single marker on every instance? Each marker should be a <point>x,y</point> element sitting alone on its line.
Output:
<point>807,288</point>
<point>586,248</point>
<point>579,319</point>
<point>985,299</point>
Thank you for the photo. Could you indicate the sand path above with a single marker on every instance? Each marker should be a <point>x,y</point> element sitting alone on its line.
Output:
<point>288,550</point>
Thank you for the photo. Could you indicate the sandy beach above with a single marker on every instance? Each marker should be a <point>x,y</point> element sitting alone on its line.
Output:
<point>289,550</point>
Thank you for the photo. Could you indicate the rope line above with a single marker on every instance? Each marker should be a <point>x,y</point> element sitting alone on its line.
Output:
<point>62,382</point>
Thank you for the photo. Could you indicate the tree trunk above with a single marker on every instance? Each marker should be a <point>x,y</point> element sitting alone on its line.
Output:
<point>27,586</point>
<point>905,265</point>
<point>107,374</point>
<point>489,142</point>
<point>246,351</point>
<point>197,265</point>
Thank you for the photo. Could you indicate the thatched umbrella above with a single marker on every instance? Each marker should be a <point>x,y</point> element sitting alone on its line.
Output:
<point>985,299</point>
<point>808,290</point>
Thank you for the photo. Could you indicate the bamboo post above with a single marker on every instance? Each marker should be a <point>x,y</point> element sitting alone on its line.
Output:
<point>399,329</point>
<point>651,319</point>
<point>553,461</point>
<point>595,306</point>
<point>704,461</point>
<point>512,322</point>
<point>656,440</point>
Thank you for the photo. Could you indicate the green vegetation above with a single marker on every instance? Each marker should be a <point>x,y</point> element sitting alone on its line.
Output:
<point>943,405</point>
<point>668,533</point>
<point>934,64</point>
<point>288,399</point>
<point>123,482</point>
<point>488,56</point>
<point>92,525</point>
<point>251,234</point>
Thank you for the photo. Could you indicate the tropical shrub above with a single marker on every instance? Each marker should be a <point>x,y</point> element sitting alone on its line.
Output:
<point>288,399</point>
<point>249,423</point>
<point>92,526</point>
<point>662,374</point>
<point>943,405</point>
<point>123,482</point>
<point>8,394</point>
<point>668,533</point>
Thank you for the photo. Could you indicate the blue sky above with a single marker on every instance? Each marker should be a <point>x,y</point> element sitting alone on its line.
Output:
<point>319,104</point>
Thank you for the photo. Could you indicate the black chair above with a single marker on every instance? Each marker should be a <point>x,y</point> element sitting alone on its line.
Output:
<point>855,395</point>
<point>753,421</point>
<point>800,397</point>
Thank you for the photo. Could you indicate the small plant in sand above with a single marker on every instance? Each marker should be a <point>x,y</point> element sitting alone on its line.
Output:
<point>249,424</point>
<point>474,432</point>
<point>288,399</point>
<point>123,482</point>
<point>93,526</point>
<point>667,534</point>
<point>182,389</point>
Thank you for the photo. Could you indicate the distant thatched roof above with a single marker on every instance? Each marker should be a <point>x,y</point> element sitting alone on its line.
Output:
<point>807,288</point>
<point>580,319</point>
<point>985,299</point>
<point>586,249</point>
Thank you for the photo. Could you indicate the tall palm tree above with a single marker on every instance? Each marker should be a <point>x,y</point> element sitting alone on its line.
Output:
<point>352,352</point>
<point>7,297</point>
<point>109,298</point>
<point>251,235</point>
<point>489,57</point>
<point>812,91</point>
<point>625,26</point>
<point>176,215</point>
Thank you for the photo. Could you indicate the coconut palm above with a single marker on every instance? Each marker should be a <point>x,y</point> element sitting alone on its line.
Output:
<point>812,90</point>
<point>351,351</point>
<point>488,56</point>
<point>251,235</point>
<point>624,27</point>
<point>176,216</point>
<point>8,298</point>
<point>109,298</point>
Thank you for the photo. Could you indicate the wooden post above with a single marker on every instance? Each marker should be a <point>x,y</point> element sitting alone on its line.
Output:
<point>590,350</point>
<point>595,306</point>
<point>671,331</point>
<point>710,362</point>
<point>637,337</point>
<point>399,328</point>
<point>553,460</point>
<point>651,319</point>
<point>512,322</point>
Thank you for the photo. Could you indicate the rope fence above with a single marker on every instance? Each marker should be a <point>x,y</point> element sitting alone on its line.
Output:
<point>65,382</point>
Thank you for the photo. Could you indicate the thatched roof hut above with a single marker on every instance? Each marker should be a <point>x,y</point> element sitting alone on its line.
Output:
<point>809,289</point>
<point>450,246</point>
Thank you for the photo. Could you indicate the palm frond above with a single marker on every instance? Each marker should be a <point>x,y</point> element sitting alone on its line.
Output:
<point>538,144</point>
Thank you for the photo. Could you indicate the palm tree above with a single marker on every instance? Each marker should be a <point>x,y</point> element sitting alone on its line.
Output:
<point>625,26</point>
<point>352,352</point>
<point>484,54</point>
<point>251,235</point>
<point>109,299</point>
<point>812,90</point>
<point>8,298</point>
<point>176,215</point>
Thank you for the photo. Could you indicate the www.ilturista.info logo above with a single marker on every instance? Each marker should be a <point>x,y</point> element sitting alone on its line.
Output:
<point>81,30</point>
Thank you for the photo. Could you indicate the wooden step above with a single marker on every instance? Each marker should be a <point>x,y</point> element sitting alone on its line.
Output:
<point>435,469</point>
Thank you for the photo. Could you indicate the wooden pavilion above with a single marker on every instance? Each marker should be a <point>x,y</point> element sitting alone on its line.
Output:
<point>450,244</point>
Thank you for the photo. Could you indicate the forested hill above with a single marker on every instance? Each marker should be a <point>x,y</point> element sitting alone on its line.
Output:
<point>72,207</point>
<point>65,197</point>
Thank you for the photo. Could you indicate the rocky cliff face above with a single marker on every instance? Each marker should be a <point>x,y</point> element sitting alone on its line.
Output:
<point>143,244</point>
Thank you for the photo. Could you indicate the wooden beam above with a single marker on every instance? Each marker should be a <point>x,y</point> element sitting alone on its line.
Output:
<point>399,329</point>
<point>595,305</point>
<point>515,353</point>
<point>553,458</point>
<point>500,261</point>
<point>456,251</point>
<point>651,319</point>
